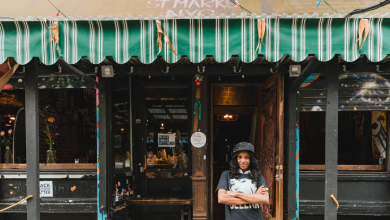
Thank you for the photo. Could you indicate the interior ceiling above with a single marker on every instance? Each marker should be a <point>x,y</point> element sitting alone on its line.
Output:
<point>10,103</point>
<point>167,104</point>
<point>235,95</point>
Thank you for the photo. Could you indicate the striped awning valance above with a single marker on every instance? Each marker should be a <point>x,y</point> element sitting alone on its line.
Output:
<point>194,38</point>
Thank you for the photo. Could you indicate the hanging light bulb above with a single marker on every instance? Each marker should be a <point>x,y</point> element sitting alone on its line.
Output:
<point>242,76</point>
<point>150,76</point>
<point>58,13</point>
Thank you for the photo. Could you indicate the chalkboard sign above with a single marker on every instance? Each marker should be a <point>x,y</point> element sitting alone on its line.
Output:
<point>198,139</point>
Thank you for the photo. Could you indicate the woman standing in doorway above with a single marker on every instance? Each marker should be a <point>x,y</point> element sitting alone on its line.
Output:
<point>241,188</point>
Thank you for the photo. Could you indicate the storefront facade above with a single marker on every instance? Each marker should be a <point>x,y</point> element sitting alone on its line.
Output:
<point>250,68</point>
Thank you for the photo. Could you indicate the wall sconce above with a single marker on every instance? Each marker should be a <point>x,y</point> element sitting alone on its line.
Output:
<point>107,71</point>
<point>294,70</point>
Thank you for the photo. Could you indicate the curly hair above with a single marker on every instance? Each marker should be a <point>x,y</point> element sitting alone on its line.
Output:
<point>253,167</point>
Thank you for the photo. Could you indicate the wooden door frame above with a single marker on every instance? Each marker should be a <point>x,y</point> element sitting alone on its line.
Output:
<point>280,140</point>
<point>211,149</point>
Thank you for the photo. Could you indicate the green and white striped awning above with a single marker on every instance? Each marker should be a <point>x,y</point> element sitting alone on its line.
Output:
<point>195,38</point>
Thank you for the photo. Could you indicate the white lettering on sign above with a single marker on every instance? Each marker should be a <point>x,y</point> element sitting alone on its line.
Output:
<point>153,4</point>
<point>194,2</point>
<point>206,4</point>
<point>190,7</point>
<point>219,3</point>
<point>46,188</point>
<point>180,2</point>
<point>191,13</point>
<point>198,139</point>
<point>163,3</point>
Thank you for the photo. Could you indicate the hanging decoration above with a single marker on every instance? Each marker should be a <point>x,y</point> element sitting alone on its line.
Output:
<point>166,39</point>
<point>364,26</point>
<point>200,108</point>
<point>58,10</point>
<point>239,5</point>
<point>56,33</point>
<point>260,33</point>
<point>319,2</point>
<point>7,69</point>
<point>197,111</point>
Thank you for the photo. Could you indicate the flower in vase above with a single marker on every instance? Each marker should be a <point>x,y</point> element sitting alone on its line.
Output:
<point>50,131</point>
<point>6,140</point>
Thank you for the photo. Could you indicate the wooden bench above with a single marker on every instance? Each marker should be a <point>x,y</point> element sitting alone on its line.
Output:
<point>169,201</point>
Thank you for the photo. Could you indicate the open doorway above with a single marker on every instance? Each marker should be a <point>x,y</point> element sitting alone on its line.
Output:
<point>253,113</point>
<point>227,133</point>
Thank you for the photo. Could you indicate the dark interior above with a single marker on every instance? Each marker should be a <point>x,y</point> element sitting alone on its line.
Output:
<point>355,138</point>
<point>227,134</point>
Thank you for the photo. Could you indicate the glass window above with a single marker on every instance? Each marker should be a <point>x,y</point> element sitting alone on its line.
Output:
<point>167,128</point>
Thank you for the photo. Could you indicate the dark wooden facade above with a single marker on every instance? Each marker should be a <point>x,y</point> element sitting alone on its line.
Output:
<point>194,198</point>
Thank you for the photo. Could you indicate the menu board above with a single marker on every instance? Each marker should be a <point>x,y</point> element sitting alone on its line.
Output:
<point>166,140</point>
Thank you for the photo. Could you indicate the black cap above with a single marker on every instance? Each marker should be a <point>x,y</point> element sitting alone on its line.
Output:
<point>244,146</point>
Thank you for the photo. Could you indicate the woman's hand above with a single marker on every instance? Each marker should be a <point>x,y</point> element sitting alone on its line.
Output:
<point>224,197</point>
<point>261,190</point>
<point>232,194</point>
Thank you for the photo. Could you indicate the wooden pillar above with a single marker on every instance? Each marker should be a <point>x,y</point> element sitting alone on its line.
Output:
<point>32,139</point>
<point>331,137</point>
<point>199,160</point>
<point>102,152</point>
<point>293,154</point>
<point>293,114</point>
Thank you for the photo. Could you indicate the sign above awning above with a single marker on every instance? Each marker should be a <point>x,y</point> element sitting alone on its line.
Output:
<point>195,38</point>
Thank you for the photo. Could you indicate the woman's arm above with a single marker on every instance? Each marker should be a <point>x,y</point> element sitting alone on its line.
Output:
<point>260,197</point>
<point>224,198</point>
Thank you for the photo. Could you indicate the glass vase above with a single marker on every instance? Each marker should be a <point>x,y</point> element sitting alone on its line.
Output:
<point>7,155</point>
<point>51,156</point>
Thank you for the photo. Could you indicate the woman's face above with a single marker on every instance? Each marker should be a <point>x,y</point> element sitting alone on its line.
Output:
<point>243,160</point>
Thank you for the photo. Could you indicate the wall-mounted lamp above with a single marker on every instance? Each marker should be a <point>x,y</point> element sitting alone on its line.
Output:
<point>107,71</point>
<point>294,70</point>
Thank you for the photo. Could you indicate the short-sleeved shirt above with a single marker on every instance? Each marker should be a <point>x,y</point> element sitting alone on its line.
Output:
<point>242,185</point>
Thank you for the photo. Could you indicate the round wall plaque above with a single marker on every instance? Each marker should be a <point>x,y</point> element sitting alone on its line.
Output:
<point>198,139</point>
